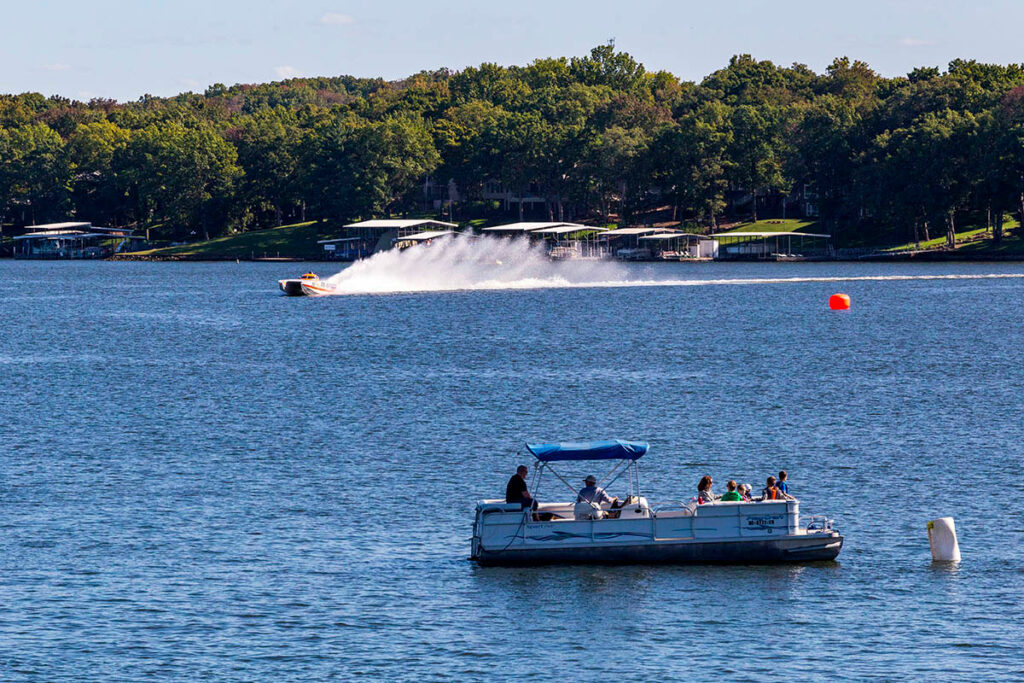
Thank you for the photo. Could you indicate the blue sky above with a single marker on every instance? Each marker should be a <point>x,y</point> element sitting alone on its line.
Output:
<point>126,48</point>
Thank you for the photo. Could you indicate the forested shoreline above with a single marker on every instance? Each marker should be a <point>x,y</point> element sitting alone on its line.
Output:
<point>598,138</point>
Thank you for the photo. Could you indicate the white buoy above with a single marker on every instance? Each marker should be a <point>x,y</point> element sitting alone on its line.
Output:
<point>942,538</point>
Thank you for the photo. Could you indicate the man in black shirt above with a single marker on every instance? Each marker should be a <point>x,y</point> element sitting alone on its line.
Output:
<point>516,491</point>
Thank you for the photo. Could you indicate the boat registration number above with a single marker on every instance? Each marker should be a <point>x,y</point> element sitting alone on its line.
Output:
<point>765,523</point>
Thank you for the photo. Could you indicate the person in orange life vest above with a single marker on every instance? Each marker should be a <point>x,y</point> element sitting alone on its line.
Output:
<point>771,491</point>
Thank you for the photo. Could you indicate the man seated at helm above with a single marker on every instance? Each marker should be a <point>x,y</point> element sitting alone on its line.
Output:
<point>592,496</point>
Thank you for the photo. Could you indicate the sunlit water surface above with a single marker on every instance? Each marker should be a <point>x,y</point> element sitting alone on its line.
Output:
<point>204,479</point>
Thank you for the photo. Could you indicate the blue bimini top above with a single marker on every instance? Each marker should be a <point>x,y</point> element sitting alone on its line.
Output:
<point>612,449</point>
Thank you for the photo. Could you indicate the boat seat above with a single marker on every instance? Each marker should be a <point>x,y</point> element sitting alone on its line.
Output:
<point>585,510</point>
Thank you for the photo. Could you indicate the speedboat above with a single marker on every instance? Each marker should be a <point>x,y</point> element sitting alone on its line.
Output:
<point>293,286</point>
<point>641,532</point>
<point>309,284</point>
<point>316,287</point>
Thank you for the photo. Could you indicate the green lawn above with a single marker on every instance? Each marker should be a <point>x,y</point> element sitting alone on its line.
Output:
<point>776,225</point>
<point>1013,244</point>
<point>972,238</point>
<point>288,241</point>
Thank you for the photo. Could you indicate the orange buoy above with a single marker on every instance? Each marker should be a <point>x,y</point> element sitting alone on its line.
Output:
<point>839,302</point>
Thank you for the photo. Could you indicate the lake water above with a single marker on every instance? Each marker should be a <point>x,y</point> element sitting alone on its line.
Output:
<point>203,479</point>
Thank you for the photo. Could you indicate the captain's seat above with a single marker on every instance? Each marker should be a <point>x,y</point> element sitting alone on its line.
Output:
<point>584,510</point>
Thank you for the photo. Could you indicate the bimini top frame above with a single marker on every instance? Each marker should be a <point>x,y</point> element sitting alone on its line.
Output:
<point>627,453</point>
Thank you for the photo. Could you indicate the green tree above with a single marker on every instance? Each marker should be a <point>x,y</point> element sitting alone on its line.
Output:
<point>98,194</point>
<point>757,150</point>
<point>999,159</point>
<point>614,160</point>
<point>509,150</point>
<point>268,148</point>
<point>605,66</point>
<point>823,155</point>
<point>184,177</point>
<point>353,168</point>
<point>923,173</point>
<point>690,164</point>
<point>35,174</point>
<point>459,139</point>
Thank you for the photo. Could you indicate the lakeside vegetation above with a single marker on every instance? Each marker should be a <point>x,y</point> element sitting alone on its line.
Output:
<point>774,225</point>
<point>933,157</point>
<point>297,241</point>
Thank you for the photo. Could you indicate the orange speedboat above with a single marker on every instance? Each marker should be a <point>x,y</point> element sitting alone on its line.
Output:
<point>316,287</point>
<point>297,286</point>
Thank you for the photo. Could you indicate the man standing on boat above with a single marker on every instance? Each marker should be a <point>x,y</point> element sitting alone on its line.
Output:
<point>516,491</point>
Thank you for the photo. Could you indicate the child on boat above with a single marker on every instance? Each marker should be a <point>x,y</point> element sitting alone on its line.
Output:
<point>781,483</point>
<point>731,494</point>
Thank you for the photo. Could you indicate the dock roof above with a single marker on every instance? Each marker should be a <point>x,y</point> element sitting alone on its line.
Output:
<point>423,236</point>
<point>567,228</point>
<point>388,223</point>
<point>769,234</point>
<point>674,235</point>
<point>47,227</point>
<point>69,230</point>
<point>339,239</point>
<point>529,227</point>
<point>621,232</point>
<point>65,235</point>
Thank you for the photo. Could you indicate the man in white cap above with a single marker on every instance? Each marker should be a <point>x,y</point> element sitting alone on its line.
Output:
<point>592,493</point>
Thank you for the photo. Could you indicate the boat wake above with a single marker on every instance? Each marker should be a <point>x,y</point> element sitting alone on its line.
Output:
<point>471,263</point>
<point>492,263</point>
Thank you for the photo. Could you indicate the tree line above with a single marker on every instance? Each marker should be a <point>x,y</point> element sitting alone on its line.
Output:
<point>597,137</point>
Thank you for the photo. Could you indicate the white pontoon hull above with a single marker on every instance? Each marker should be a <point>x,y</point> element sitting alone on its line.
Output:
<point>722,533</point>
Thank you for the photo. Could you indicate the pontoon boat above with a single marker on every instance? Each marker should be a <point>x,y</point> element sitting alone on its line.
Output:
<point>640,532</point>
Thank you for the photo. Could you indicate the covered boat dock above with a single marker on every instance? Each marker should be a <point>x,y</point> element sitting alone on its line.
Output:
<point>532,229</point>
<point>365,238</point>
<point>680,246</point>
<point>573,241</point>
<point>562,240</point>
<point>424,238</point>
<point>778,246</point>
<point>627,246</point>
<point>71,240</point>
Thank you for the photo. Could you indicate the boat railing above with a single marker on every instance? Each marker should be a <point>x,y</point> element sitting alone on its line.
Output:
<point>818,523</point>
<point>672,506</point>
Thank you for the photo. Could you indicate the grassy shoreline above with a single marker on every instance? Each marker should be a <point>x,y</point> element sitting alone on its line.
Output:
<point>298,242</point>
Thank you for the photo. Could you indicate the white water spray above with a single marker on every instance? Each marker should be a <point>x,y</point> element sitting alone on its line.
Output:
<point>488,263</point>
<point>471,263</point>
